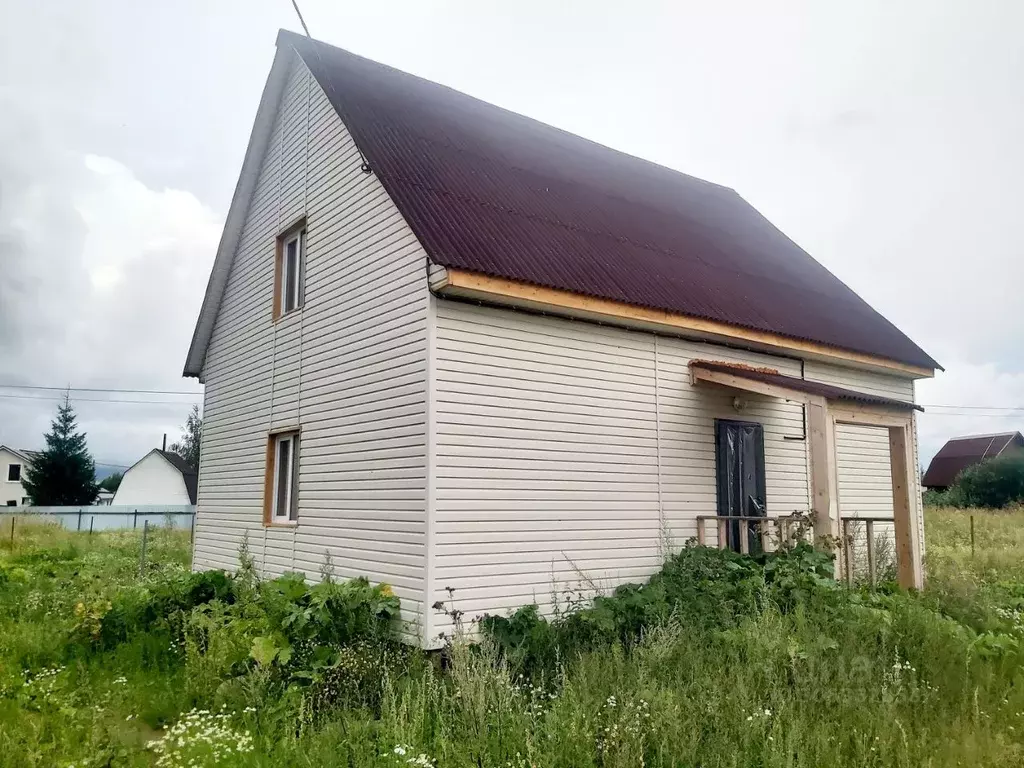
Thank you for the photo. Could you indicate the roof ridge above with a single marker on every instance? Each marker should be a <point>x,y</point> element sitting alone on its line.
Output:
<point>980,436</point>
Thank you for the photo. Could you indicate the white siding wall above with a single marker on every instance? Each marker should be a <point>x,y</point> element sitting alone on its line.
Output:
<point>152,481</point>
<point>349,368</point>
<point>549,436</point>
<point>11,491</point>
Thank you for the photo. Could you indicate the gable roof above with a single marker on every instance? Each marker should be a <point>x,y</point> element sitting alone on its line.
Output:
<point>962,452</point>
<point>188,473</point>
<point>489,191</point>
<point>22,454</point>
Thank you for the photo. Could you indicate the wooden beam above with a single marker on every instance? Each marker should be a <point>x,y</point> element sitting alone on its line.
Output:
<point>869,415</point>
<point>516,293</point>
<point>908,560</point>
<point>698,374</point>
<point>822,457</point>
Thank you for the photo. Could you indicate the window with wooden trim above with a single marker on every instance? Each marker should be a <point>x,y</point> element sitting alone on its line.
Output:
<point>289,277</point>
<point>282,481</point>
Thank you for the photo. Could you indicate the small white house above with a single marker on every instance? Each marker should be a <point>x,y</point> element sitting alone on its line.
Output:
<point>478,358</point>
<point>13,464</point>
<point>160,478</point>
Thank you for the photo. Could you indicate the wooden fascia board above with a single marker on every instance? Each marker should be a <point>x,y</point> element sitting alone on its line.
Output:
<point>473,285</point>
<point>869,415</point>
<point>732,381</point>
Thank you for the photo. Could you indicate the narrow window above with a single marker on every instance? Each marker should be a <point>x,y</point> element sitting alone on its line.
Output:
<point>288,280</point>
<point>282,478</point>
<point>14,473</point>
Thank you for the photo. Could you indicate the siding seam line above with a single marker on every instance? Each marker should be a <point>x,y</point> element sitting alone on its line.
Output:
<point>279,122</point>
<point>431,466</point>
<point>302,314</point>
<point>657,425</point>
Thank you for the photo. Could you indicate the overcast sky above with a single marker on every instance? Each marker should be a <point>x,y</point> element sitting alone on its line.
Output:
<point>883,137</point>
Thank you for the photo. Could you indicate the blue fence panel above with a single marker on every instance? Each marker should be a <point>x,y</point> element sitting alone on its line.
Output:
<point>106,517</point>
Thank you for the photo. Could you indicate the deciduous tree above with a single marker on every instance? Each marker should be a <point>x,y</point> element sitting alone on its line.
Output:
<point>188,446</point>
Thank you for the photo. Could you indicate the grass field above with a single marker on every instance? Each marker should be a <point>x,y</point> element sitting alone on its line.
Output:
<point>718,662</point>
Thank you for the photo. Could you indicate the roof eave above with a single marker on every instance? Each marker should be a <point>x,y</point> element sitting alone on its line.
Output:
<point>479,287</point>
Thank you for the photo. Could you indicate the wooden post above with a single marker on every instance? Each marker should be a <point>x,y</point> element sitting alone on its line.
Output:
<point>92,519</point>
<point>822,457</point>
<point>871,551</point>
<point>744,538</point>
<point>12,532</point>
<point>908,567</point>
<point>79,519</point>
<point>972,536</point>
<point>848,551</point>
<point>142,552</point>
<point>700,529</point>
<point>723,537</point>
<point>192,529</point>
<point>136,523</point>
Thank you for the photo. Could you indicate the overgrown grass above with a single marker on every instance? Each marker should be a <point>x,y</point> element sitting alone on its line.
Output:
<point>719,661</point>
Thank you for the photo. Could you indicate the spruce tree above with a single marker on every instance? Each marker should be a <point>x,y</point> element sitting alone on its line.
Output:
<point>63,473</point>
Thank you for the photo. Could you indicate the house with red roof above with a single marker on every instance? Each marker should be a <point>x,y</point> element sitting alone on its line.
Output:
<point>480,358</point>
<point>959,453</point>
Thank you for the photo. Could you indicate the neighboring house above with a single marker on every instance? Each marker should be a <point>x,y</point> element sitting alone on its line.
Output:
<point>13,464</point>
<point>463,350</point>
<point>104,497</point>
<point>960,453</point>
<point>158,478</point>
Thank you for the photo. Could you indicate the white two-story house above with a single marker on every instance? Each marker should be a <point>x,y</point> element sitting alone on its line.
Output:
<point>13,464</point>
<point>478,357</point>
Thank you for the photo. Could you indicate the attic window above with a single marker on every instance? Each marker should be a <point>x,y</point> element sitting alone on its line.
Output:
<point>14,473</point>
<point>289,274</point>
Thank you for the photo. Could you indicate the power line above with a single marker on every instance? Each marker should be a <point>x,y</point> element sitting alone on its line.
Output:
<point>333,96</point>
<point>100,389</point>
<point>975,407</point>
<point>302,21</point>
<point>45,398</point>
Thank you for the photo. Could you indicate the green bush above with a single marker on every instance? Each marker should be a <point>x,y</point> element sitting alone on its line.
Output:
<point>699,588</point>
<point>995,483</point>
<point>146,607</point>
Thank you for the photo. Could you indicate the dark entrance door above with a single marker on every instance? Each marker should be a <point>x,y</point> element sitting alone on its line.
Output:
<point>739,451</point>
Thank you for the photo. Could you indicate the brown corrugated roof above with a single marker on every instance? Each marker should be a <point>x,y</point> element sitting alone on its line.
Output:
<point>188,473</point>
<point>829,392</point>
<point>490,191</point>
<point>962,452</point>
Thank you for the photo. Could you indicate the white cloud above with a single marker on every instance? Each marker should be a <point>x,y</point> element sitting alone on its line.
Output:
<point>103,277</point>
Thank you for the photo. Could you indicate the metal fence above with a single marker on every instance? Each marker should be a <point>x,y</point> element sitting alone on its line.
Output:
<point>106,518</point>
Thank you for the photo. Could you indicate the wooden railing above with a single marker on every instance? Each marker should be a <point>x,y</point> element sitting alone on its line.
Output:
<point>775,533</point>
<point>848,545</point>
<point>788,530</point>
